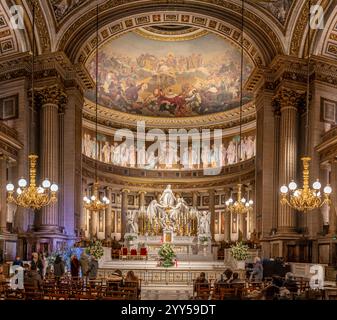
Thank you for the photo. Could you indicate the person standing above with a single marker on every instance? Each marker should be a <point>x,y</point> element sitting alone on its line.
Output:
<point>59,268</point>
<point>257,272</point>
<point>74,267</point>
<point>84,263</point>
<point>36,264</point>
<point>93,268</point>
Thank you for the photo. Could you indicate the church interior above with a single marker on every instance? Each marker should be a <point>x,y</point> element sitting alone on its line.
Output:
<point>177,149</point>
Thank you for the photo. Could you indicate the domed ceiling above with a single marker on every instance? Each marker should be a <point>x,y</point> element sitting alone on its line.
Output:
<point>169,71</point>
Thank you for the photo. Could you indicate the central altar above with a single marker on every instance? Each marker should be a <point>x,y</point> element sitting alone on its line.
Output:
<point>168,220</point>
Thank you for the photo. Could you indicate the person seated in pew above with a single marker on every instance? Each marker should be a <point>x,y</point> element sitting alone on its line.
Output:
<point>201,282</point>
<point>290,283</point>
<point>235,279</point>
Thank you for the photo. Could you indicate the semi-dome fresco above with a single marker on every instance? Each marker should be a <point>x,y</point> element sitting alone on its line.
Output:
<point>150,77</point>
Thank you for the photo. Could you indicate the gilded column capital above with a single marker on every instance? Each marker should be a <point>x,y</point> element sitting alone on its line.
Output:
<point>288,98</point>
<point>125,191</point>
<point>142,192</point>
<point>52,95</point>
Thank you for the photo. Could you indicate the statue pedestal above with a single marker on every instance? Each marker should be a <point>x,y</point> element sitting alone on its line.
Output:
<point>168,236</point>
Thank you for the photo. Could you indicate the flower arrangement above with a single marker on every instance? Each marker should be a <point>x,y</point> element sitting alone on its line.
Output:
<point>130,238</point>
<point>204,239</point>
<point>65,253</point>
<point>166,255</point>
<point>239,251</point>
<point>95,249</point>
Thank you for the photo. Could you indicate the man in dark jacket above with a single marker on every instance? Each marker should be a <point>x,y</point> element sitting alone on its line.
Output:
<point>59,268</point>
<point>93,268</point>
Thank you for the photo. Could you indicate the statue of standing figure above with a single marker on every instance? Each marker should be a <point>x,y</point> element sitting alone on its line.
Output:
<point>168,199</point>
<point>204,219</point>
<point>131,224</point>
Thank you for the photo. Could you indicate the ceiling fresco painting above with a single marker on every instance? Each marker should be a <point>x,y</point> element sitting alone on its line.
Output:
<point>278,8</point>
<point>64,7</point>
<point>169,78</point>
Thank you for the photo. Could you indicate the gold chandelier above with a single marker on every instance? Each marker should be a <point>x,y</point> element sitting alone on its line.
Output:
<point>32,196</point>
<point>305,199</point>
<point>94,203</point>
<point>241,205</point>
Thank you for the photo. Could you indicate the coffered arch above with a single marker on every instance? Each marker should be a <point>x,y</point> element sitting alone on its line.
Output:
<point>11,40</point>
<point>326,40</point>
<point>202,14</point>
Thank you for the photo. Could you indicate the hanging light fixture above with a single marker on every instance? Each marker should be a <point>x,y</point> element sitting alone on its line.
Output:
<point>94,203</point>
<point>32,196</point>
<point>306,199</point>
<point>241,205</point>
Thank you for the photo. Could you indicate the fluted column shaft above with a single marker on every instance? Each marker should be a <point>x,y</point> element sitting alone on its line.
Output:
<point>212,210</point>
<point>333,207</point>
<point>125,193</point>
<point>108,216</point>
<point>3,200</point>
<point>142,199</point>
<point>288,162</point>
<point>194,199</point>
<point>227,226</point>
<point>50,157</point>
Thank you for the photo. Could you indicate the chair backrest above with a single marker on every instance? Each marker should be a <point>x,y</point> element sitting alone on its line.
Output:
<point>143,251</point>
<point>133,252</point>
<point>228,293</point>
<point>124,251</point>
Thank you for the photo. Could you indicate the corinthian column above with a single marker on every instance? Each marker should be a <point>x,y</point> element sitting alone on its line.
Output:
<point>142,199</point>
<point>125,193</point>
<point>3,200</point>
<point>212,210</point>
<point>51,98</point>
<point>108,216</point>
<point>333,207</point>
<point>288,154</point>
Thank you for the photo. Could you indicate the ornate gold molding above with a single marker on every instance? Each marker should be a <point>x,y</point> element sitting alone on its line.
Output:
<point>41,26</point>
<point>113,118</point>
<point>52,95</point>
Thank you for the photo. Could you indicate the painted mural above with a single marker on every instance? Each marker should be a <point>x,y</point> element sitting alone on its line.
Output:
<point>278,8</point>
<point>169,78</point>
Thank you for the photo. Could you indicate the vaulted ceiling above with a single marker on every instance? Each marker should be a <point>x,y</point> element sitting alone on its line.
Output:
<point>271,27</point>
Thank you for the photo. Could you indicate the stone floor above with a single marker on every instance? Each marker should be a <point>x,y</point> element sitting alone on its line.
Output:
<point>167,293</point>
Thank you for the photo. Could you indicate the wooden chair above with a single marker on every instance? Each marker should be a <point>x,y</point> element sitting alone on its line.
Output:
<point>228,294</point>
<point>55,296</point>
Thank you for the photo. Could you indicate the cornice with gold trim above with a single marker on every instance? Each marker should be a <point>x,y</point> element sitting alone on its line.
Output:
<point>107,175</point>
<point>115,119</point>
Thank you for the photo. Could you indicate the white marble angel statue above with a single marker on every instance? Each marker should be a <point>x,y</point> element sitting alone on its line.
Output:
<point>154,209</point>
<point>204,219</point>
<point>131,223</point>
<point>168,199</point>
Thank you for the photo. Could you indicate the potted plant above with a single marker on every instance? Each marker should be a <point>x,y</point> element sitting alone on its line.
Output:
<point>204,240</point>
<point>95,249</point>
<point>239,252</point>
<point>166,255</point>
<point>130,239</point>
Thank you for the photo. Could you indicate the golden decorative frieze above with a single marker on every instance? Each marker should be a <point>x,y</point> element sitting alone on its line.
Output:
<point>114,118</point>
<point>148,179</point>
<point>41,26</point>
